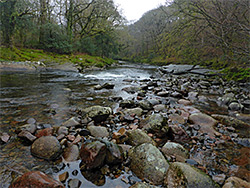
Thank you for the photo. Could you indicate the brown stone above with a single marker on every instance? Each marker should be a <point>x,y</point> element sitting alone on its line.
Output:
<point>93,154</point>
<point>206,123</point>
<point>36,179</point>
<point>44,132</point>
<point>234,182</point>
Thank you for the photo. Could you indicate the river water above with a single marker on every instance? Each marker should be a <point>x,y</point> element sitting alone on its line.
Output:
<point>36,95</point>
<point>49,97</point>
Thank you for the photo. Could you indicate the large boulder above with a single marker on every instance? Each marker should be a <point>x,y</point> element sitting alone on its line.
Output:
<point>148,162</point>
<point>97,113</point>
<point>176,150</point>
<point>93,154</point>
<point>206,122</point>
<point>46,147</point>
<point>155,123</point>
<point>137,137</point>
<point>184,175</point>
<point>36,179</point>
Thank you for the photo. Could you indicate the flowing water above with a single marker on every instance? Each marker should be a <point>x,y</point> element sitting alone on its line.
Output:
<point>49,97</point>
<point>26,95</point>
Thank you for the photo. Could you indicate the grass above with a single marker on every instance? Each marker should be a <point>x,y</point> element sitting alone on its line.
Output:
<point>22,54</point>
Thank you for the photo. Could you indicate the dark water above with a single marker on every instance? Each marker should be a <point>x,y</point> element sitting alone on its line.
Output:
<point>27,95</point>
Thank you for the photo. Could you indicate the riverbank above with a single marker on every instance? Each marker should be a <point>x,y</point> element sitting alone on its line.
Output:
<point>33,58</point>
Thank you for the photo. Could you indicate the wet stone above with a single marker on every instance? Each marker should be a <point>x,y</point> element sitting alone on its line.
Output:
<point>4,137</point>
<point>137,137</point>
<point>148,162</point>
<point>183,175</point>
<point>93,154</point>
<point>36,179</point>
<point>46,147</point>
<point>98,131</point>
<point>234,182</point>
<point>71,153</point>
<point>176,150</point>
<point>74,183</point>
<point>27,136</point>
<point>44,132</point>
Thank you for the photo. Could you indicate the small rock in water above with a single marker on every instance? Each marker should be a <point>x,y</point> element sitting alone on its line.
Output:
<point>74,183</point>
<point>72,122</point>
<point>4,137</point>
<point>63,177</point>
<point>27,136</point>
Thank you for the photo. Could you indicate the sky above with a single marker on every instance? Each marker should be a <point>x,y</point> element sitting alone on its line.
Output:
<point>134,9</point>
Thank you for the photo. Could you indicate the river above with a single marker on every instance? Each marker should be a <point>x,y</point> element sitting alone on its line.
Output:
<point>48,98</point>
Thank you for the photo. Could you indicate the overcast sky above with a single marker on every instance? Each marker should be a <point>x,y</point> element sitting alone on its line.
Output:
<point>134,9</point>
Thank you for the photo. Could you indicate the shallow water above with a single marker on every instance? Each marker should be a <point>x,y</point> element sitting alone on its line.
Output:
<point>27,95</point>
<point>50,96</point>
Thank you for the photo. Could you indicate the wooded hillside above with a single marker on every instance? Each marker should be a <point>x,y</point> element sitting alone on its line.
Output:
<point>208,32</point>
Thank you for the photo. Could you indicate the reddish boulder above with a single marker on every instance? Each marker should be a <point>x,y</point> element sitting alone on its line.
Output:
<point>93,155</point>
<point>36,179</point>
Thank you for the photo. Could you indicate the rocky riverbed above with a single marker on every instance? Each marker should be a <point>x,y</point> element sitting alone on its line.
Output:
<point>168,131</point>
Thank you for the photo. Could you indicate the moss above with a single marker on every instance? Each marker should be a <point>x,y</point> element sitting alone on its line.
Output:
<point>22,54</point>
<point>238,74</point>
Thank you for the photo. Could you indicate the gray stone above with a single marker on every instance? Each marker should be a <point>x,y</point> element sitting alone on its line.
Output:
<point>177,150</point>
<point>27,136</point>
<point>145,105</point>
<point>148,162</point>
<point>181,175</point>
<point>134,111</point>
<point>97,113</point>
<point>155,123</point>
<point>28,127</point>
<point>46,147</point>
<point>206,122</point>
<point>72,122</point>
<point>234,106</point>
<point>137,137</point>
<point>63,130</point>
<point>71,153</point>
<point>74,183</point>
<point>98,131</point>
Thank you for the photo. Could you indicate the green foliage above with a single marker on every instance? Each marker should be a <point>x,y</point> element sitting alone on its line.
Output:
<point>55,40</point>
<point>238,74</point>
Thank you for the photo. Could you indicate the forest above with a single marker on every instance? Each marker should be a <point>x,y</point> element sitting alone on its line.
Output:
<point>212,33</point>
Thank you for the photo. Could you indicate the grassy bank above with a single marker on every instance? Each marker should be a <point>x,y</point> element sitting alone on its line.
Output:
<point>237,72</point>
<point>22,54</point>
